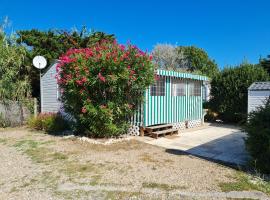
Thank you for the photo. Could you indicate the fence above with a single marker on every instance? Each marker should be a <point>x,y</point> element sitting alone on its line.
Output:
<point>14,113</point>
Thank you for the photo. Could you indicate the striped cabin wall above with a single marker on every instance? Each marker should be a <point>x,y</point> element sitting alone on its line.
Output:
<point>168,108</point>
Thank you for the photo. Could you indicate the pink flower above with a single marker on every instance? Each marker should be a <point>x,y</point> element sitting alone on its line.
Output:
<point>103,106</point>
<point>102,78</point>
<point>84,110</point>
<point>84,79</point>
<point>79,82</point>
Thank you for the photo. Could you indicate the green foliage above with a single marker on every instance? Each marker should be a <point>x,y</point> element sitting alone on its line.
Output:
<point>184,59</point>
<point>198,60</point>
<point>210,116</point>
<point>265,63</point>
<point>14,85</point>
<point>4,122</point>
<point>244,182</point>
<point>103,85</point>
<point>52,44</point>
<point>229,91</point>
<point>49,122</point>
<point>258,140</point>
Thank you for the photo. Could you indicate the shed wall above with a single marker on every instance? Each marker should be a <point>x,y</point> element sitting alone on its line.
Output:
<point>49,91</point>
<point>257,98</point>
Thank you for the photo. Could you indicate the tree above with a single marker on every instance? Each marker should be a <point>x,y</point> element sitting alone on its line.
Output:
<point>102,86</point>
<point>166,56</point>
<point>52,44</point>
<point>198,60</point>
<point>184,58</point>
<point>14,80</point>
<point>229,91</point>
<point>265,63</point>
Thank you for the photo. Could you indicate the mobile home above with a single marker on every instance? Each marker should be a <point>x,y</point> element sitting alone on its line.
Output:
<point>174,102</point>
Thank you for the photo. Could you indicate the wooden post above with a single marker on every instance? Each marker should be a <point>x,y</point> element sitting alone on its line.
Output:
<point>35,107</point>
<point>141,131</point>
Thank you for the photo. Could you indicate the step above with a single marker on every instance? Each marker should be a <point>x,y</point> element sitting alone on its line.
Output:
<point>151,128</point>
<point>164,132</point>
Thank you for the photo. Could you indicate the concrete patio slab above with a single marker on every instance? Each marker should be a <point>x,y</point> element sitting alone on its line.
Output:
<point>215,142</point>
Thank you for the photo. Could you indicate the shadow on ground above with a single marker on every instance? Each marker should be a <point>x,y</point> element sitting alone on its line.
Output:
<point>228,150</point>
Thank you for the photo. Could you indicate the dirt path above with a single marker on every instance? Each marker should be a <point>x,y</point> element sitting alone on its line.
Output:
<point>39,166</point>
<point>17,172</point>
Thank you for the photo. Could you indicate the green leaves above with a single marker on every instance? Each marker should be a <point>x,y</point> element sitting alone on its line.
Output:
<point>229,90</point>
<point>103,85</point>
<point>14,85</point>
<point>258,140</point>
<point>185,59</point>
<point>198,60</point>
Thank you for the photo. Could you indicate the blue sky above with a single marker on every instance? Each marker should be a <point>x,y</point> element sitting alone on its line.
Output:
<point>230,31</point>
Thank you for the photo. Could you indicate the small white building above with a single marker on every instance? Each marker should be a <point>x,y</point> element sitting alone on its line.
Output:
<point>50,94</point>
<point>258,93</point>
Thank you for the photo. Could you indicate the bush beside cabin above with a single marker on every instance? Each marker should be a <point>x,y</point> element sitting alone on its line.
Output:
<point>175,98</point>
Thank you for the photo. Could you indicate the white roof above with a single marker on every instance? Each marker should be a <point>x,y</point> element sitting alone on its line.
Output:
<point>260,86</point>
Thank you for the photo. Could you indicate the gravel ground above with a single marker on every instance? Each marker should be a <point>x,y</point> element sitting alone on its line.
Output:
<point>36,166</point>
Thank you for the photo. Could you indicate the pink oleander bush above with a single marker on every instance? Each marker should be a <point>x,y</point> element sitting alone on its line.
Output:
<point>103,85</point>
<point>48,122</point>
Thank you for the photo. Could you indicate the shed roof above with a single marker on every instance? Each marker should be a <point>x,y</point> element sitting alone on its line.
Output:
<point>181,75</point>
<point>260,86</point>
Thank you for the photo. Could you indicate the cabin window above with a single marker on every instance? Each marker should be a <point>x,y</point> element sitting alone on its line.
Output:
<point>178,87</point>
<point>158,89</point>
<point>194,89</point>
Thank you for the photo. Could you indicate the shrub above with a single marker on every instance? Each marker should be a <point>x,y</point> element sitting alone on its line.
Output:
<point>49,122</point>
<point>229,91</point>
<point>103,85</point>
<point>258,140</point>
<point>210,116</point>
<point>4,122</point>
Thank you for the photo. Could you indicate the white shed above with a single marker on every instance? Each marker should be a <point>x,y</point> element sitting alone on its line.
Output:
<point>50,94</point>
<point>258,93</point>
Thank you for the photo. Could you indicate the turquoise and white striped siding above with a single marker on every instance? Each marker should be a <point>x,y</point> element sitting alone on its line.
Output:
<point>168,108</point>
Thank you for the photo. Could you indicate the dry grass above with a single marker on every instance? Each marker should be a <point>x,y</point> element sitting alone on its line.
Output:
<point>129,164</point>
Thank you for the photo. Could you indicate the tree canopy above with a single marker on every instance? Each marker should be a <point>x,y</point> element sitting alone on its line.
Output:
<point>198,60</point>
<point>14,79</point>
<point>184,58</point>
<point>166,56</point>
<point>53,43</point>
<point>265,63</point>
<point>229,90</point>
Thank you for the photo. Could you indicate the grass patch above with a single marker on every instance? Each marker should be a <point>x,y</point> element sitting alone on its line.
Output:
<point>243,182</point>
<point>115,195</point>
<point>119,146</point>
<point>37,152</point>
<point>3,141</point>
<point>31,143</point>
<point>29,183</point>
<point>76,170</point>
<point>162,186</point>
<point>148,158</point>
